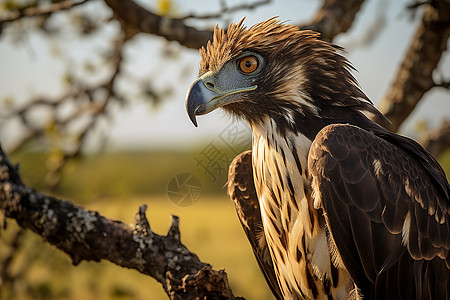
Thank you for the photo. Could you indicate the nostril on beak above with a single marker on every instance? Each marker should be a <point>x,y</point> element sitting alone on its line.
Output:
<point>209,85</point>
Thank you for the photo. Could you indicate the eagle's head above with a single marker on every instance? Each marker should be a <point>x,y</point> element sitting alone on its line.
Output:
<point>276,72</point>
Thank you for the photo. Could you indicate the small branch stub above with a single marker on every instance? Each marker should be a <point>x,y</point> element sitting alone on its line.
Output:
<point>174,230</point>
<point>141,224</point>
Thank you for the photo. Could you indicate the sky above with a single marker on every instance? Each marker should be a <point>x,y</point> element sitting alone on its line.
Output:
<point>28,68</point>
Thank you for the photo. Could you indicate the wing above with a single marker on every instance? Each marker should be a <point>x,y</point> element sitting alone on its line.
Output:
<point>386,203</point>
<point>242,191</point>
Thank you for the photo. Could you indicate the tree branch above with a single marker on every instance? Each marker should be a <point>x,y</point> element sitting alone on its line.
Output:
<point>443,84</point>
<point>413,6</point>
<point>414,77</point>
<point>226,10</point>
<point>136,19</point>
<point>86,235</point>
<point>36,11</point>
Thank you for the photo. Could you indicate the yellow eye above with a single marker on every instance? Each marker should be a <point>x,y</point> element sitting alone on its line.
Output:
<point>248,64</point>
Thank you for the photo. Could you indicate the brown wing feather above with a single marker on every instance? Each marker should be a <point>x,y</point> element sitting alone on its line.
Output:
<point>388,210</point>
<point>242,191</point>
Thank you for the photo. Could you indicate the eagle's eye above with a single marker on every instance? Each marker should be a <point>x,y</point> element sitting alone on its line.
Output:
<point>248,64</point>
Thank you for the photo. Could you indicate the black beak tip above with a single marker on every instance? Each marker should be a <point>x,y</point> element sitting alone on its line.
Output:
<point>193,120</point>
<point>191,110</point>
<point>194,99</point>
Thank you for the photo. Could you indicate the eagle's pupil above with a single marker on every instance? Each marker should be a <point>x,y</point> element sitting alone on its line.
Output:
<point>248,64</point>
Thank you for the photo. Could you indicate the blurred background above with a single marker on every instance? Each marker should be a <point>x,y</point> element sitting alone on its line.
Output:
<point>93,110</point>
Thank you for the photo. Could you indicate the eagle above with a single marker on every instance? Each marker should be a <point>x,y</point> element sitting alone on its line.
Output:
<point>334,205</point>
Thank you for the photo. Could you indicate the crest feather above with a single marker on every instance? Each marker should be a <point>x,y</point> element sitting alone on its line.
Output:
<point>268,35</point>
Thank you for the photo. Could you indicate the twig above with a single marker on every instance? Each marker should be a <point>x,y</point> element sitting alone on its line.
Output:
<point>417,4</point>
<point>225,10</point>
<point>141,225</point>
<point>94,106</point>
<point>443,84</point>
<point>36,11</point>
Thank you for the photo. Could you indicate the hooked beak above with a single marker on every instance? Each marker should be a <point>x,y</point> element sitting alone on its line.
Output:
<point>200,100</point>
<point>203,98</point>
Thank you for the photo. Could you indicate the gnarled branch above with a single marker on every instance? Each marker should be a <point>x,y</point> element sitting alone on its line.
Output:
<point>87,235</point>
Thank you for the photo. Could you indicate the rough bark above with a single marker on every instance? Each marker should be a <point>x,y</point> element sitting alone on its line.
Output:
<point>87,235</point>
<point>414,77</point>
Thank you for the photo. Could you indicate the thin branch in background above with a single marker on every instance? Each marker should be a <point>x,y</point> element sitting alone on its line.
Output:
<point>98,112</point>
<point>95,108</point>
<point>416,4</point>
<point>443,84</point>
<point>225,10</point>
<point>36,11</point>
